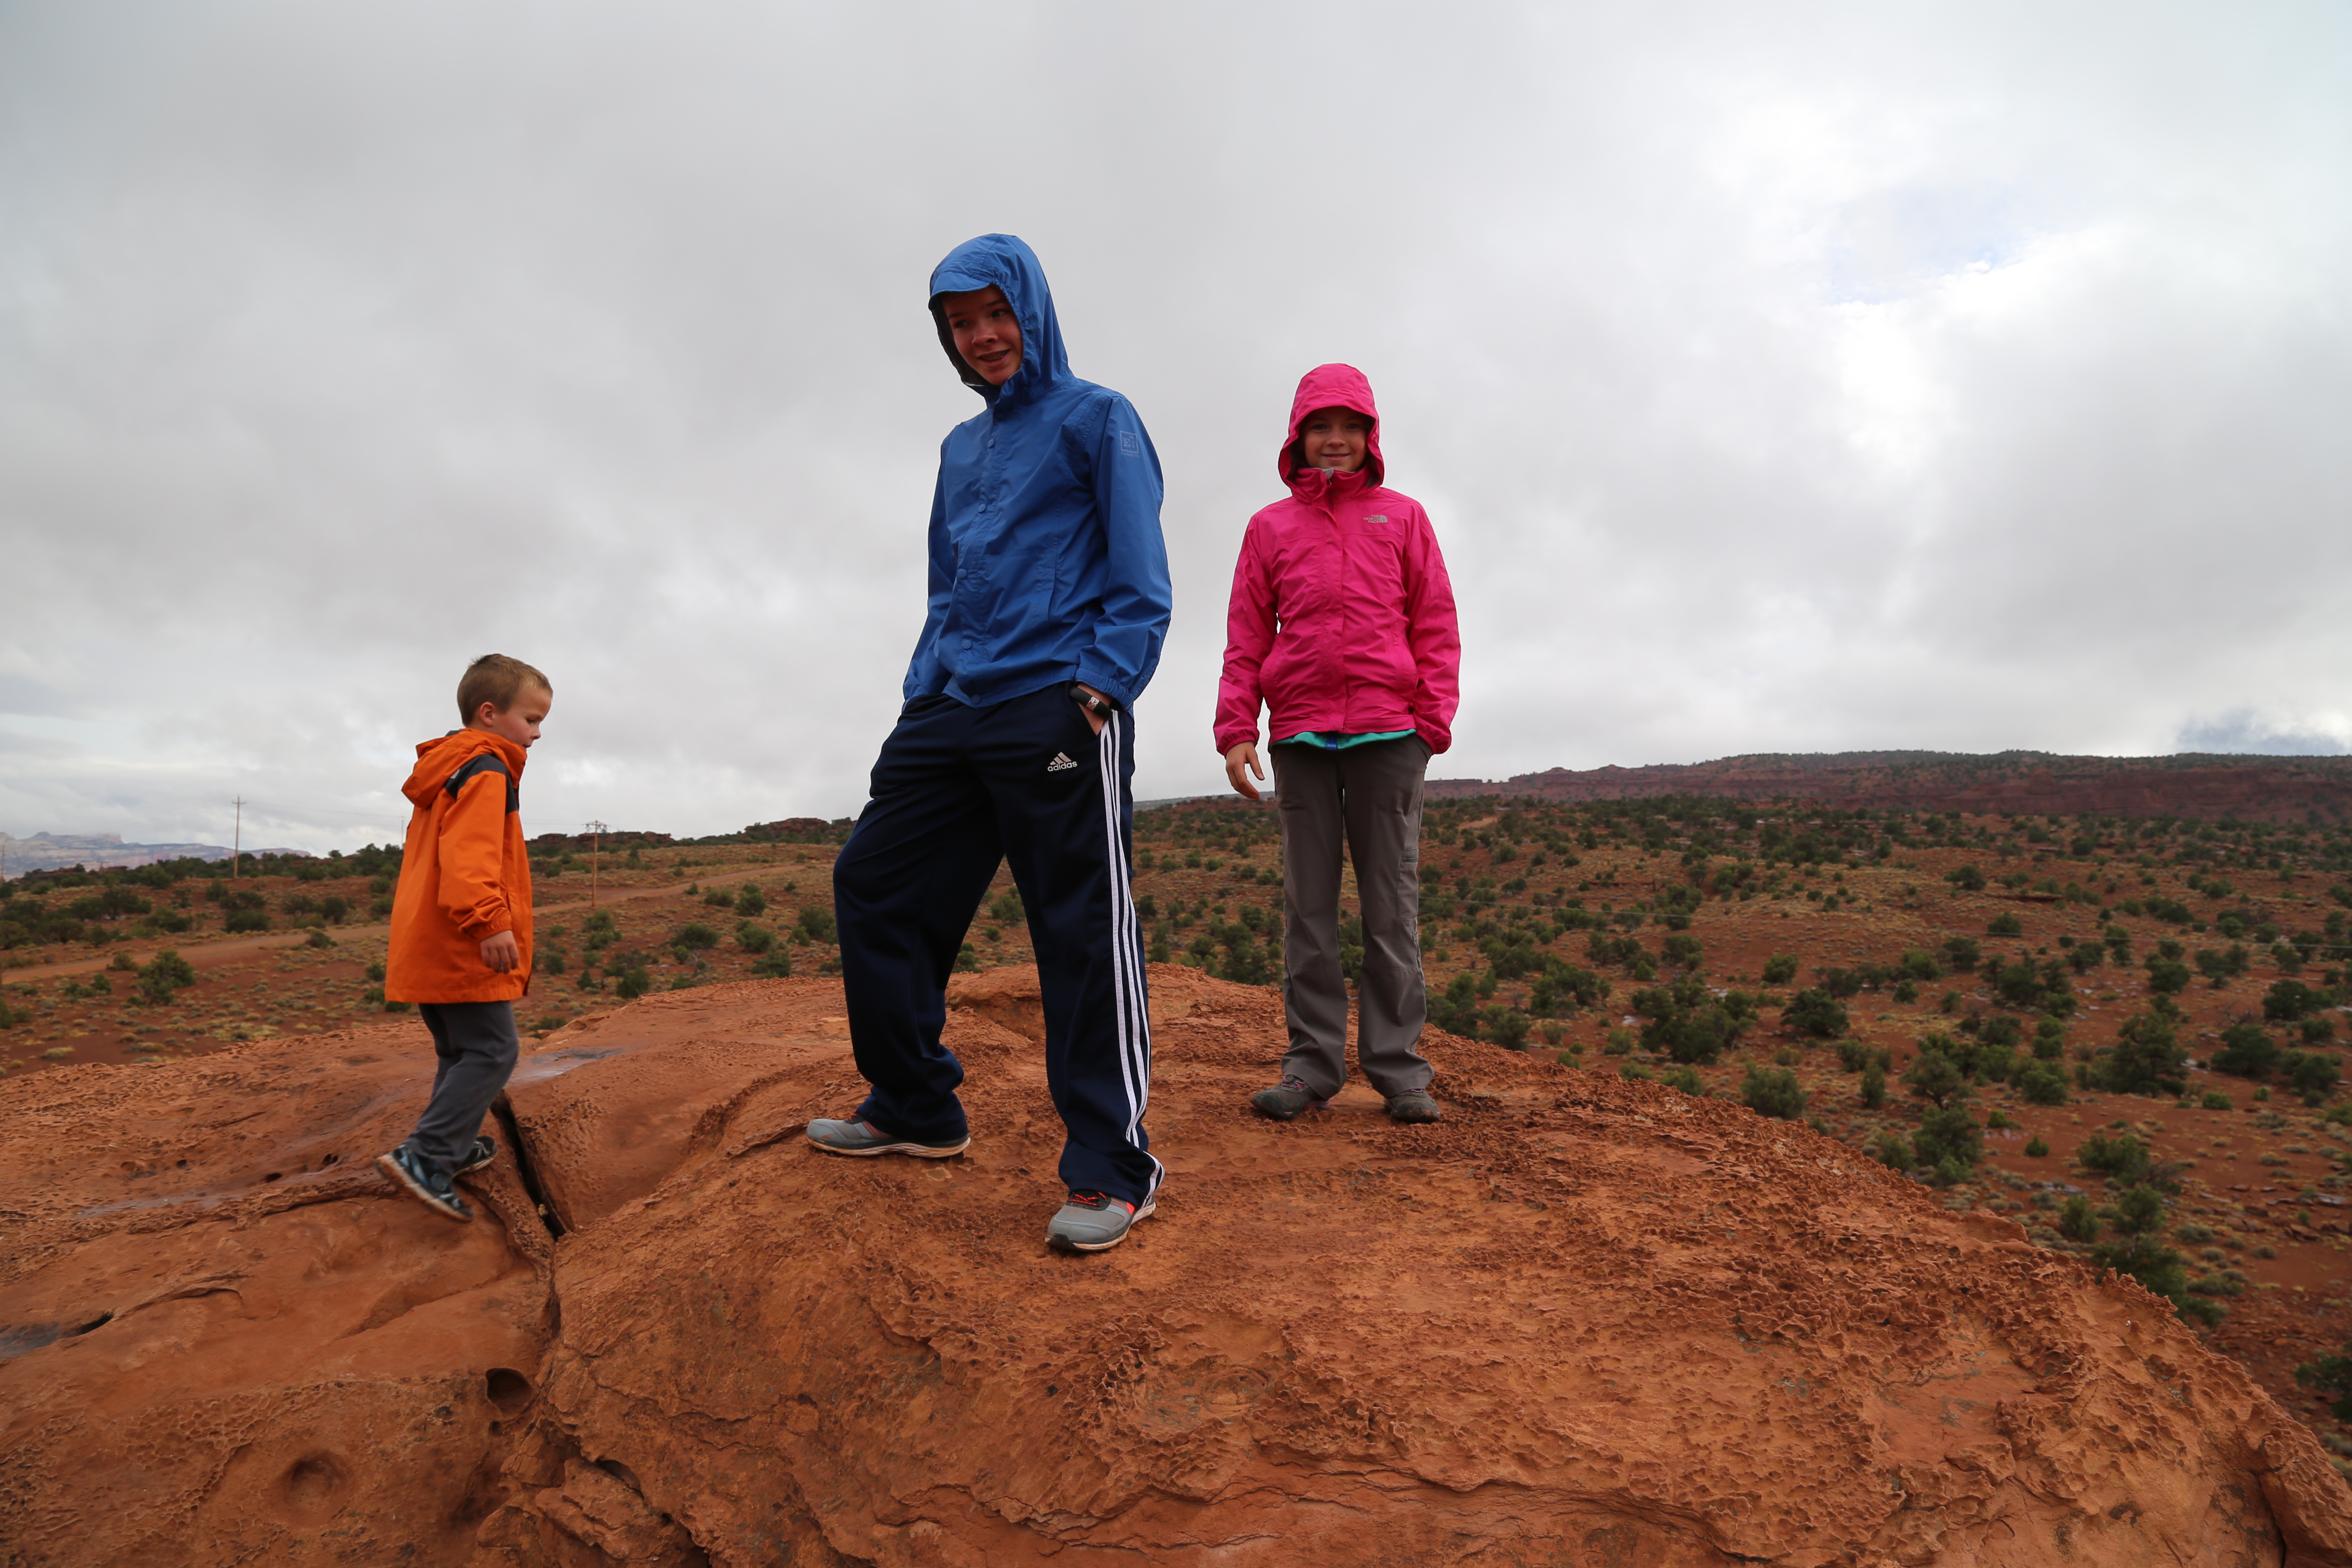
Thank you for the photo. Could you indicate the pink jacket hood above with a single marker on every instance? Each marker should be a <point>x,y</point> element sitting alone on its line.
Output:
<point>1333,387</point>
<point>1342,615</point>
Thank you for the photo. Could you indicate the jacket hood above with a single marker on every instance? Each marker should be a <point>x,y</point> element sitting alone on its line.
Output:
<point>1334,386</point>
<point>436,759</point>
<point>1003,260</point>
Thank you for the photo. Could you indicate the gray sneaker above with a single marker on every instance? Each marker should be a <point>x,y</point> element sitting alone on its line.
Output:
<point>483,1152</point>
<point>1286,1099</point>
<point>1094,1222</point>
<point>865,1138</point>
<point>1414,1105</point>
<point>426,1184</point>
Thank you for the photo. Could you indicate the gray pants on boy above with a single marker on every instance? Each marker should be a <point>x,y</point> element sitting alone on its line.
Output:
<point>1370,795</point>
<point>478,1047</point>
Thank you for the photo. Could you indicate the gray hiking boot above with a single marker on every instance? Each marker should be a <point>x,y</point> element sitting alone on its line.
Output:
<point>1095,1222</point>
<point>864,1138</point>
<point>1286,1099</point>
<point>426,1184</point>
<point>1414,1105</point>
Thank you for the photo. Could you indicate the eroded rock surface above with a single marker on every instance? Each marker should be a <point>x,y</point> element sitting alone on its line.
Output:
<point>1580,1323</point>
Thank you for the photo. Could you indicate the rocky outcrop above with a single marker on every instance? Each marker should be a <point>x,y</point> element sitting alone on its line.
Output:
<point>2251,789</point>
<point>1581,1321</point>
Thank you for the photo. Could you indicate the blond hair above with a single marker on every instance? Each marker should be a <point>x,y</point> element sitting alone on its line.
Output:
<point>497,680</point>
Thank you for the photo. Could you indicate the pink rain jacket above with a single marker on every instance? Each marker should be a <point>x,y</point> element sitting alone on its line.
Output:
<point>1342,616</point>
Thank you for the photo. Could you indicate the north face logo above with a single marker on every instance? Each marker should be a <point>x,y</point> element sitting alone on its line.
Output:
<point>1061,760</point>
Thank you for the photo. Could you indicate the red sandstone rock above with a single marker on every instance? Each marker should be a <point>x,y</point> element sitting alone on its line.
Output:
<point>2255,789</point>
<point>1581,1321</point>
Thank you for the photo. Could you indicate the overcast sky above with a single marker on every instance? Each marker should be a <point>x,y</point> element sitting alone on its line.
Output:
<point>1780,378</point>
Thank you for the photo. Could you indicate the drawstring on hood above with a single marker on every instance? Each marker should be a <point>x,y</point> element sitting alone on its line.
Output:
<point>1331,386</point>
<point>1004,260</point>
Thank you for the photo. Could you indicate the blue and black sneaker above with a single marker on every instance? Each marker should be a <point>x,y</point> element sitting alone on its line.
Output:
<point>427,1185</point>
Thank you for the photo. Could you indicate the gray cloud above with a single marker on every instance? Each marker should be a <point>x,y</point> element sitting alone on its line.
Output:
<point>1835,377</point>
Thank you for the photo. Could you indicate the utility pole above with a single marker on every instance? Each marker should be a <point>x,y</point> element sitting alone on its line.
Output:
<point>595,843</point>
<point>236,845</point>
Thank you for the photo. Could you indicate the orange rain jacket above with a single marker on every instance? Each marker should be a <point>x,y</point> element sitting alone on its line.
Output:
<point>464,874</point>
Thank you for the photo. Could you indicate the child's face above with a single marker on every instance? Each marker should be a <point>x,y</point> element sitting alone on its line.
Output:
<point>1335,439</point>
<point>519,723</point>
<point>985,333</point>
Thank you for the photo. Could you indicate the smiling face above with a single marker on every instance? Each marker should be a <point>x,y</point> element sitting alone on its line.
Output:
<point>985,332</point>
<point>1334,439</point>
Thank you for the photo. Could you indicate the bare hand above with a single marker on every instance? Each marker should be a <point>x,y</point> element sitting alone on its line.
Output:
<point>1243,756</point>
<point>501,951</point>
<point>1093,718</point>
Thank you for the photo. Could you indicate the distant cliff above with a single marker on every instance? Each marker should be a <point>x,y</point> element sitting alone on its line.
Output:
<point>2251,789</point>
<point>51,851</point>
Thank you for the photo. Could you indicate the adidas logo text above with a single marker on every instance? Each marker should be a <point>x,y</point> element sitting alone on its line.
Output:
<point>1061,760</point>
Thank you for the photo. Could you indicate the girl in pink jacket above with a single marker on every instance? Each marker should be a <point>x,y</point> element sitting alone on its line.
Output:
<point>1342,626</point>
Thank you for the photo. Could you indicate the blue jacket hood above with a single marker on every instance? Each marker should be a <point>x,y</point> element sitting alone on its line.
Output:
<point>1008,263</point>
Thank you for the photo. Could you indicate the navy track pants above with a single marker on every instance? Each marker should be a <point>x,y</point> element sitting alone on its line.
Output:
<point>956,789</point>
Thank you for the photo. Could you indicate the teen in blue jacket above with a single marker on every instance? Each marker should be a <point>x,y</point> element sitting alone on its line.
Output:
<point>1049,602</point>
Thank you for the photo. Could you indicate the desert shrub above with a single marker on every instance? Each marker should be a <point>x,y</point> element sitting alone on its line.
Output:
<point>1779,969</point>
<point>166,973</point>
<point>2042,1083</point>
<point>2331,1375</point>
<point>2000,1030</point>
<point>1635,1072</point>
<point>1507,1026</point>
<point>2288,1000</point>
<point>1455,1009</point>
<point>1934,1076</point>
<point>1853,1056</point>
<point>1893,1152</point>
<point>2311,1074</point>
<point>246,920</point>
<point>2221,965</point>
<point>2317,1031</point>
<point>1873,1086</point>
<point>750,902</point>
<point>815,924</point>
<point>696,937</point>
<point>776,963</point>
<point>2086,956</point>
<point>2167,977</point>
<point>2246,1052</point>
<point>1842,983</point>
<point>1680,950</point>
<point>2076,1222</point>
<point>1966,879</point>
<point>1687,1081</point>
<point>1918,964</point>
<point>2139,1211</point>
<point>2145,1060</point>
<point>1687,1022</point>
<point>2037,1147</point>
<point>2050,1039</point>
<point>753,937</point>
<point>332,908</point>
<point>2214,1099</point>
<point>1565,984</point>
<point>1816,1013</point>
<point>633,983</point>
<point>2004,924</point>
<point>1772,1091</point>
<point>1961,953</point>
<point>1948,1133</point>
<point>2122,1157</point>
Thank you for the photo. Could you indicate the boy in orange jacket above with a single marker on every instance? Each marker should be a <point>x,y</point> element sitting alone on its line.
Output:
<point>461,922</point>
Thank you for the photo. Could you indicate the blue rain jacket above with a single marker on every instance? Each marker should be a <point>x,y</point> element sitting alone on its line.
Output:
<point>1046,561</point>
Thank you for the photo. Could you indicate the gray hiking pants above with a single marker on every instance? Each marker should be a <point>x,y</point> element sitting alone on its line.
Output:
<point>477,1046</point>
<point>1370,796</point>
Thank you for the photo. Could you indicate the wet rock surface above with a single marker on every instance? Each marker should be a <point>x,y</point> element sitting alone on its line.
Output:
<point>1581,1321</point>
